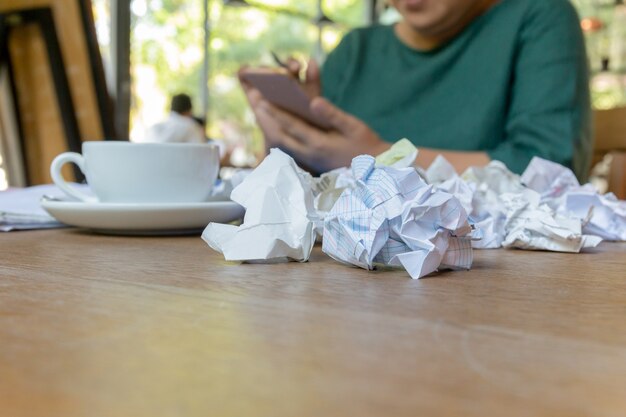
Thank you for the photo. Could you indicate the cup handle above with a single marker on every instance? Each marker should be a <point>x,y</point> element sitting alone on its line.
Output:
<point>57,176</point>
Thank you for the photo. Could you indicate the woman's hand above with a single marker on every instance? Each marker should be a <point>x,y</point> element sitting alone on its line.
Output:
<point>315,148</point>
<point>269,127</point>
<point>311,82</point>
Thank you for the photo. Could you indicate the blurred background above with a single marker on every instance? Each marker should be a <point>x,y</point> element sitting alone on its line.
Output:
<point>153,49</point>
<point>604,25</point>
<point>168,54</point>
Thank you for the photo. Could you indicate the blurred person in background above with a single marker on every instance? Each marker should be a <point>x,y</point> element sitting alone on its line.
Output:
<point>473,80</point>
<point>180,126</point>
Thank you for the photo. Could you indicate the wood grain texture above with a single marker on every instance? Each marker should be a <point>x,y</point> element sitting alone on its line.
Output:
<point>116,326</point>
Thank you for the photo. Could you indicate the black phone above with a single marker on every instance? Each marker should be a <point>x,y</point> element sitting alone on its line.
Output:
<point>284,91</point>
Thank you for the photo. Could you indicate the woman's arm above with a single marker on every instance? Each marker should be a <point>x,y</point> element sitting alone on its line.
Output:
<point>458,159</point>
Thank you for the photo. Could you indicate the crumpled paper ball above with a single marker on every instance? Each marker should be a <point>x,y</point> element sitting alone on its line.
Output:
<point>392,217</point>
<point>280,218</point>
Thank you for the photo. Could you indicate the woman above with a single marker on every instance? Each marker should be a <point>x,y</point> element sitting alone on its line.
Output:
<point>474,80</point>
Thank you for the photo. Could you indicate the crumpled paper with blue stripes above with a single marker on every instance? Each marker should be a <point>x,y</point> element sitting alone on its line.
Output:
<point>392,217</point>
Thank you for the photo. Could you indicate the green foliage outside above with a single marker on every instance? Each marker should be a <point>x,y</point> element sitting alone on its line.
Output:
<point>168,37</point>
<point>167,51</point>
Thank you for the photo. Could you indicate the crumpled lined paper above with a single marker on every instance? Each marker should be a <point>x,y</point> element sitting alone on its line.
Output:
<point>330,185</point>
<point>535,226</point>
<point>439,171</point>
<point>509,214</point>
<point>373,214</point>
<point>608,214</point>
<point>285,207</point>
<point>479,191</point>
<point>549,179</point>
<point>393,217</point>
<point>280,217</point>
<point>602,215</point>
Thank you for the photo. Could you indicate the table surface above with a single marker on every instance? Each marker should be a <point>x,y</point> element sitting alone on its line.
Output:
<point>110,326</point>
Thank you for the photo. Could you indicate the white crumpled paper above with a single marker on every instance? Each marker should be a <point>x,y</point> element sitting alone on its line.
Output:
<point>280,218</point>
<point>479,190</point>
<point>285,208</point>
<point>602,215</point>
<point>535,226</point>
<point>393,217</point>
<point>608,214</point>
<point>329,186</point>
<point>374,214</point>
<point>507,213</point>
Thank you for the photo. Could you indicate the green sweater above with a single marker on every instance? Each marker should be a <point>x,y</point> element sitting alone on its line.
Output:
<point>514,83</point>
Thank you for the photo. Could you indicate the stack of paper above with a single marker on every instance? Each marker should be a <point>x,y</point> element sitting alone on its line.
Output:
<point>20,208</point>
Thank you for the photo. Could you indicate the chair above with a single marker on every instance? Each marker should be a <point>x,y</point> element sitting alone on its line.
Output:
<point>610,139</point>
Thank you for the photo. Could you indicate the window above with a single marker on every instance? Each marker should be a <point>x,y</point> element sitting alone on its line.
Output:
<point>167,56</point>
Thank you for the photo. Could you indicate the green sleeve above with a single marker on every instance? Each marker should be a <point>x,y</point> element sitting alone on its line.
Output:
<point>548,113</point>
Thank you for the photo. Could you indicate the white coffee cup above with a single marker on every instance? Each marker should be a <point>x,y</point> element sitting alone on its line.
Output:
<point>125,172</point>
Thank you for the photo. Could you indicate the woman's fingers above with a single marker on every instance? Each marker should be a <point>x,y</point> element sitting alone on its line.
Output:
<point>292,125</point>
<point>293,66</point>
<point>340,120</point>
<point>312,71</point>
<point>254,96</point>
<point>283,138</point>
<point>312,80</point>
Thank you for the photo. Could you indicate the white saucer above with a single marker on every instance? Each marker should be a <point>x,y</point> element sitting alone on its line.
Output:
<point>143,219</point>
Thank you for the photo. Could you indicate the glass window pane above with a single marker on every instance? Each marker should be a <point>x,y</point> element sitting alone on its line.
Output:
<point>167,41</point>
<point>347,13</point>
<point>306,7</point>
<point>166,58</point>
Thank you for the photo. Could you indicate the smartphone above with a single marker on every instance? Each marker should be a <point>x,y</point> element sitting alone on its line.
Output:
<point>282,90</point>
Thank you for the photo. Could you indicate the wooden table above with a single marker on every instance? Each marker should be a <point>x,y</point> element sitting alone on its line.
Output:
<point>119,326</point>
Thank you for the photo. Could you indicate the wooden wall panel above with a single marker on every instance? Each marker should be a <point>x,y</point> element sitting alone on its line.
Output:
<point>41,123</point>
<point>610,137</point>
<point>42,130</point>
